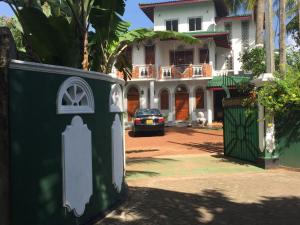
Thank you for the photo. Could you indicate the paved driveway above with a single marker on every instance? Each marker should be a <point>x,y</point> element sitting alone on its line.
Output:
<point>176,141</point>
<point>180,179</point>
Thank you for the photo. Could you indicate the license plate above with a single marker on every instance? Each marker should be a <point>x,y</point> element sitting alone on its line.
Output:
<point>149,122</point>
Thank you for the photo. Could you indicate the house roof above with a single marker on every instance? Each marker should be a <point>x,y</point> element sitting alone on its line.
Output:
<point>235,17</point>
<point>148,8</point>
<point>232,81</point>
<point>221,38</point>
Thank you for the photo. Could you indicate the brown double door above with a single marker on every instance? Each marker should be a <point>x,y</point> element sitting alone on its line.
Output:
<point>182,106</point>
<point>133,102</point>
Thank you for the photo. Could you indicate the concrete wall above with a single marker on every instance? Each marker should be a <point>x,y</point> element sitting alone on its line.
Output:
<point>236,44</point>
<point>288,139</point>
<point>37,152</point>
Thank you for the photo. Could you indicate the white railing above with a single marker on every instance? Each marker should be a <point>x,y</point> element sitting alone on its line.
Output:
<point>144,71</point>
<point>197,71</point>
<point>224,72</point>
<point>166,72</point>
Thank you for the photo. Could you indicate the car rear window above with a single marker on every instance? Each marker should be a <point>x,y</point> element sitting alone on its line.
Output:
<point>143,112</point>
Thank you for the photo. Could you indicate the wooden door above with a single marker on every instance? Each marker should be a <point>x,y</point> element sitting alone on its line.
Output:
<point>150,54</point>
<point>182,106</point>
<point>133,102</point>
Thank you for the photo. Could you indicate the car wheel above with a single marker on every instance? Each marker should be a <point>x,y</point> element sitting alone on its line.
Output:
<point>162,132</point>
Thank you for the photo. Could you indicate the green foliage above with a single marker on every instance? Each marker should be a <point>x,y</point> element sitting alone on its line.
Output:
<point>281,95</point>
<point>16,30</point>
<point>254,60</point>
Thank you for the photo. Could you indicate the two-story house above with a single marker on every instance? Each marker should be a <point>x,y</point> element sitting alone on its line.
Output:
<point>178,78</point>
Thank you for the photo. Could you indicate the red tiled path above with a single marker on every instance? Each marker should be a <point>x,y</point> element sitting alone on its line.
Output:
<point>176,141</point>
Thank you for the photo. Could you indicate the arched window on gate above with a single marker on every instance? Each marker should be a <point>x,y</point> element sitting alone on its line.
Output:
<point>199,98</point>
<point>164,100</point>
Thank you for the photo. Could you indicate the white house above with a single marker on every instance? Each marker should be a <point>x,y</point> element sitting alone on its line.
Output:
<point>182,79</point>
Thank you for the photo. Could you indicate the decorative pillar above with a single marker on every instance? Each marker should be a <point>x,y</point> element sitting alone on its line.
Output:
<point>172,106</point>
<point>212,54</point>
<point>269,157</point>
<point>191,104</point>
<point>7,52</point>
<point>209,105</point>
<point>152,94</point>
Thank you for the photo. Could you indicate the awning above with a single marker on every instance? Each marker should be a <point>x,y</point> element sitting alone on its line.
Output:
<point>221,38</point>
<point>229,81</point>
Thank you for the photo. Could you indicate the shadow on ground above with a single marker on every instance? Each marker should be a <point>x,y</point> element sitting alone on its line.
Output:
<point>149,206</point>
<point>141,151</point>
<point>211,147</point>
<point>148,160</point>
<point>231,160</point>
<point>145,134</point>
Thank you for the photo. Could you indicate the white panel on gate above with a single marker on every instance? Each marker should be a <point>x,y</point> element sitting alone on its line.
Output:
<point>77,166</point>
<point>117,153</point>
<point>116,99</point>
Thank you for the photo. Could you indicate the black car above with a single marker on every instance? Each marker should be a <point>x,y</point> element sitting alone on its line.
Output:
<point>148,120</point>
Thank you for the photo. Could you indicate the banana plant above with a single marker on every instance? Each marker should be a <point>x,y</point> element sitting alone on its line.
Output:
<point>56,31</point>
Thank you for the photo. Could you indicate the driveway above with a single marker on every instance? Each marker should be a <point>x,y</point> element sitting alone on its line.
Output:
<point>176,141</point>
<point>184,179</point>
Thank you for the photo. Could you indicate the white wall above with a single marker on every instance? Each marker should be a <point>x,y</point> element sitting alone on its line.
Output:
<point>236,44</point>
<point>183,12</point>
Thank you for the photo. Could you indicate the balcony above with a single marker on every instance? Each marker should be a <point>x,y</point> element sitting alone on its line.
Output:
<point>184,71</point>
<point>169,72</point>
<point>143,72</point>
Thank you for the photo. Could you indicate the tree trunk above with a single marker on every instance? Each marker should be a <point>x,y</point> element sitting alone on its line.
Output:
<point>85,62</point>
<point>282,44</point>
<point>260,12</point>
<point>269,38</point>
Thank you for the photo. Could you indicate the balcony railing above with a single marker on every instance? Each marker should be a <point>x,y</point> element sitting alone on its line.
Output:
<point>169,72</point>
<point>143,71</point>
<point>185,71</point>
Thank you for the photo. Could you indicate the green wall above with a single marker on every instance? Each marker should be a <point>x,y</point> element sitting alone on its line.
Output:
<point>36,153</point>
<point>288,139</point>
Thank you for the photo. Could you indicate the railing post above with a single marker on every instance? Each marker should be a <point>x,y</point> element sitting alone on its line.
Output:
<point>7,52</point>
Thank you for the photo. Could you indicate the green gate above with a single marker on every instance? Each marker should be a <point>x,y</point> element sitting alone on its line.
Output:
<point>240,130</point>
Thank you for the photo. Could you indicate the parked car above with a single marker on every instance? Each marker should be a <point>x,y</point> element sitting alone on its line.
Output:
<point>148,120</point>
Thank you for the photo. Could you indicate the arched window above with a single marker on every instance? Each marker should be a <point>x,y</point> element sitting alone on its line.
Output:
<point>199,98</point>
<point>164,100</point>
<point>75,96</point>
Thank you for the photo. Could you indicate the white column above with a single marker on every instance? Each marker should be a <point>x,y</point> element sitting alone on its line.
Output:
<point>191,103</point>
<point>173,108</point>
<point>210,106</point>
<point>152,94</point>
<point>261,127</point>
<point>212,55</point>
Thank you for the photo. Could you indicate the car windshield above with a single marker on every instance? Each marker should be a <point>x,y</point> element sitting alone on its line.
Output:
<point>145,112</point>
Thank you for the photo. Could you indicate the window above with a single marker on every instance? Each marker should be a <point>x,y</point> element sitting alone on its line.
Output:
<point>245,34</point>
<point>199,98</point>
<point>184,57</point>
<point>229,62</point>
<point>74,97</point>
<point>195,24</point>
<point>164,100</point>
<point>150,54</point>
<point>203,56</point>
<point>228,28</point>
<point>172,25</point>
